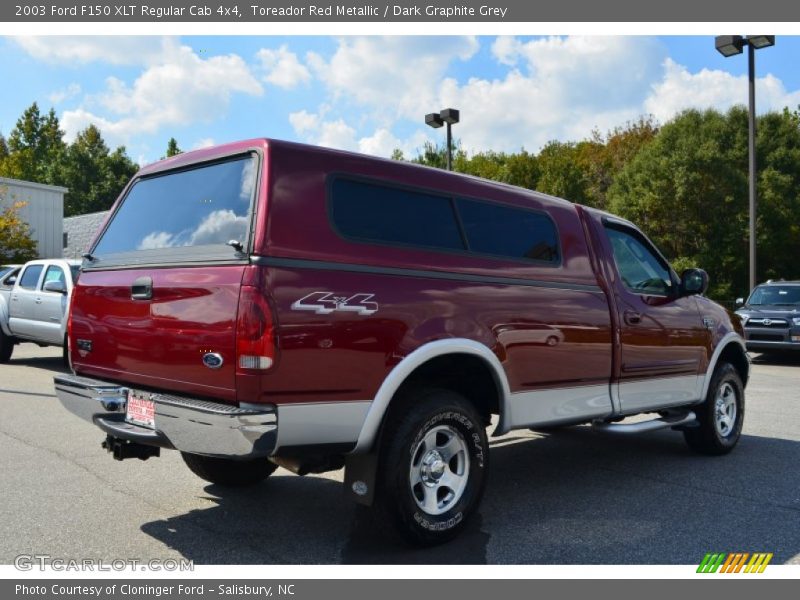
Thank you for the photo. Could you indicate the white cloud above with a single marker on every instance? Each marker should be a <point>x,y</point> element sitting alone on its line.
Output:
<point>679,89</point>
<point>181,89</point>
<point>282,68</point>
<point>59,96</point>
<point>203,143</point>
<point>394,76</point>
<point>116,50</point>
<point>330,134</point>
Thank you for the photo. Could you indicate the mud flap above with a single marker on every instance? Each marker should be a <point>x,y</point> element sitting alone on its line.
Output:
<point>359,477</point>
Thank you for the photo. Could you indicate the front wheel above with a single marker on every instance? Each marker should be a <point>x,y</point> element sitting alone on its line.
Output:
<point>432,469</point>
<point>6,347</point>
<point>721,416</point>
<point>228,472</point>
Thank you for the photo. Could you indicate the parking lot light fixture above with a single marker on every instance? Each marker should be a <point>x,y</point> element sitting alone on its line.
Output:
<point>730,45</point>
<point>448,116</point>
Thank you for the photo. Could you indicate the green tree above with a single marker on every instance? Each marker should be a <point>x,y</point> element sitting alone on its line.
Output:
<point>687,189</point>
<point>560,172</point>
<point>16,244</point>
<point>35,148</point>
<point>172,148</point>
<point>93,175</point>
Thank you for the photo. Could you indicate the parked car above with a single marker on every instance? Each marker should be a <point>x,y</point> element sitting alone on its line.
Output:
<point>6,269</point>
<point>771,316</point>
<point>33,304</point>
<point>310,308</point>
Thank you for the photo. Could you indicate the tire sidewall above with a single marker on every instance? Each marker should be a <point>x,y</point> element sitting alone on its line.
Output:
<point>456,413</point>
<point>726,375</point>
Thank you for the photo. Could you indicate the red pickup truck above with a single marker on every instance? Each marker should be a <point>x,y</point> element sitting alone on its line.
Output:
<point>267,303</point>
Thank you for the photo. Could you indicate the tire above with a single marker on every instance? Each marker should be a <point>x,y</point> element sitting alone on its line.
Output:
<point>6,347</point>
<point>721,416</point>
<point>228,472</point>
<point>432,467</point>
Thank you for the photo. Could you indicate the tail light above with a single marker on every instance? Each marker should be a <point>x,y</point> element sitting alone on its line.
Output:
<point>255,331</point>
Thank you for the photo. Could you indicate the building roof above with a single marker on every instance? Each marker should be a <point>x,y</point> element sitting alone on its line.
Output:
<point>31,184</point>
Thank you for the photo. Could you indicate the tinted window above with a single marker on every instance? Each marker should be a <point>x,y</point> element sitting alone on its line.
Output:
<point>639,267</point>
<point>201,206</point>
<point>507,231</point>
<point>9,278</point>
<point>383,214</point>
<point>30,277</point>
<point>54,273</point>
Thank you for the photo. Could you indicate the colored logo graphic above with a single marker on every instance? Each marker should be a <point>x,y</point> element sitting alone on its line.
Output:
<point>734,562</point>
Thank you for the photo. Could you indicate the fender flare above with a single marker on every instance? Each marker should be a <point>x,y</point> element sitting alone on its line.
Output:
<point>729,338</point>
<point>398,375</point>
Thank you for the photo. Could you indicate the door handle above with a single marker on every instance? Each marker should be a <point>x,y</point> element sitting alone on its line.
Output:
<point>632,317</point>
<point>142,289</point>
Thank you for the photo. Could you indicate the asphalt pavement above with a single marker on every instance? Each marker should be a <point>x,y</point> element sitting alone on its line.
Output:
<point>573,496</point>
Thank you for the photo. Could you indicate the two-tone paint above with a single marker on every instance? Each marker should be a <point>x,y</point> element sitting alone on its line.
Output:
<point>564,343</point>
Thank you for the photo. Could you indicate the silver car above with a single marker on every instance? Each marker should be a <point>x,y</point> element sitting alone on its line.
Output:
<point>34,303</point>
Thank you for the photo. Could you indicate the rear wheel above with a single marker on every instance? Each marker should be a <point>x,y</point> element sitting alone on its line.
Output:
<point>6,347</point>
<point>721,416</point>
<point>228,472</point>
<point>432,469</point>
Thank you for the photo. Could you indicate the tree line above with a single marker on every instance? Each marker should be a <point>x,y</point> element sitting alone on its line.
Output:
<point>684,182</point>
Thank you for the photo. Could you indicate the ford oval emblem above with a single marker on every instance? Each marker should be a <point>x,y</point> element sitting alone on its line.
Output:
<point>213,360</point>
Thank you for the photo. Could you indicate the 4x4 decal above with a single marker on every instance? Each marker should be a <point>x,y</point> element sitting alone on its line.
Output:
<point>324,303</point>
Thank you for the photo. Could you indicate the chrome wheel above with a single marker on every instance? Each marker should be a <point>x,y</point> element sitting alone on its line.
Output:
<point>439,470</point>
<point>725,409</point>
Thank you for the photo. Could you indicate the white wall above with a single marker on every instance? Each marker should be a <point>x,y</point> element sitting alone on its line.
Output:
<point>44,212</point>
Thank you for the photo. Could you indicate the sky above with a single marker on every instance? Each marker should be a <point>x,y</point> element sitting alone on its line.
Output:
<point>370,94</point>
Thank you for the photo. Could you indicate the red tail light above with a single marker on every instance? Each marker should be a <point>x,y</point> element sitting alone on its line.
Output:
<point>255,332</point>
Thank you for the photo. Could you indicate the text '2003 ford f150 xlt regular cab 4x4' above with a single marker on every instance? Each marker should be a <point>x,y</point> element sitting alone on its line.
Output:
<point>267,303</point>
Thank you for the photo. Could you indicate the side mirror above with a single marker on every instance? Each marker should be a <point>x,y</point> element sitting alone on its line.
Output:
<point>55,286</point>
<point>740,302</point>
<point>694,281</point>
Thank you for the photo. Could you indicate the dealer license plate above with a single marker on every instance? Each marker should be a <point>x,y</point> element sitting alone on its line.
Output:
<point>141,410</point>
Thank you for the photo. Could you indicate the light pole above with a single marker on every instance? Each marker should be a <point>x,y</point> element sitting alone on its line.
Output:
<point>450,116</point>
<point>730,45</point>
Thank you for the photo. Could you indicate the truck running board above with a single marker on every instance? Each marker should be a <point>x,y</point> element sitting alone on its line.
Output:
<point>685,419</point>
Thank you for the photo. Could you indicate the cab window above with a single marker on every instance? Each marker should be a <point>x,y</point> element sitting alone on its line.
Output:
<point>54,273</point>
<point>30,277</point>
<point>641,269</point>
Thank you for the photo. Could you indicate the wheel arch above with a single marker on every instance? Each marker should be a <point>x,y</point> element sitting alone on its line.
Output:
<point>4,316</point>
<point>732,349</point>
<point>423,363</point>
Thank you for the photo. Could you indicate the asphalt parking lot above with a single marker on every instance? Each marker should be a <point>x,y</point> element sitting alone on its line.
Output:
<point>574,497</point>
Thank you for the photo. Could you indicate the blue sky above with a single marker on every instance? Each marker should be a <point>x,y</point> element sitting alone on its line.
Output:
<point>369,94</point>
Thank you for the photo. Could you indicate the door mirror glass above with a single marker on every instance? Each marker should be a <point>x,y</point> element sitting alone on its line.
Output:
<point>694,281</point>
<point>55,286</point>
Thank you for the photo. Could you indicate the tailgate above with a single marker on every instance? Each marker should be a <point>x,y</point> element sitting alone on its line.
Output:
<point>163,342</point>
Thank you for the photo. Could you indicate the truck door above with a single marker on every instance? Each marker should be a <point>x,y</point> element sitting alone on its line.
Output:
<point>663,340</point>
<point>21,308</point>
<point>50,307</point>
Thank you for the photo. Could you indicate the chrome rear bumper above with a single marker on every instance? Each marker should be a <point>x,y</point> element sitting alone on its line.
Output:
<point>188,425</point>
